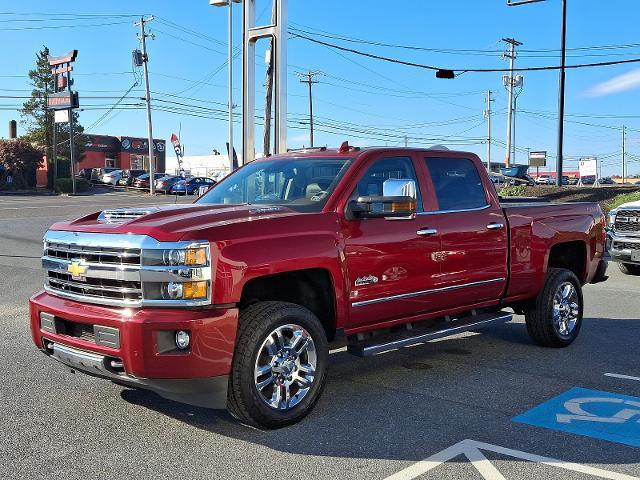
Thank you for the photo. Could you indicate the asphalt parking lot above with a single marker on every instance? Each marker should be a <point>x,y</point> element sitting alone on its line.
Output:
<point>378,417</point>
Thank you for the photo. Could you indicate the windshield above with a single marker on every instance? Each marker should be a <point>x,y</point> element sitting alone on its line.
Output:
<point>303,184</point>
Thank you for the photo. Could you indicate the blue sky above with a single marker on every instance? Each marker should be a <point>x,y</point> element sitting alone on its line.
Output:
<point>366,101</point>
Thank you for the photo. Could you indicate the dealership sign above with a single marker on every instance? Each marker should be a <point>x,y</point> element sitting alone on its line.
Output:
<point>588,167</point>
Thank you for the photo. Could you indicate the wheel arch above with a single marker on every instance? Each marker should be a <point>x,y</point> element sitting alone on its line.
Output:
<point>312,288</point>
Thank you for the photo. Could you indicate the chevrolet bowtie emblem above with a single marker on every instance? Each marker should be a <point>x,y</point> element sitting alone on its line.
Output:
<point>77,271</point>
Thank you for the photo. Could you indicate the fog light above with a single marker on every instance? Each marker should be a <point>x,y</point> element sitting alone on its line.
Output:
<point>182,339</point>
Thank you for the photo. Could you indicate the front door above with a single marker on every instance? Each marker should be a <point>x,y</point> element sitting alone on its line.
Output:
<point>388,262</point>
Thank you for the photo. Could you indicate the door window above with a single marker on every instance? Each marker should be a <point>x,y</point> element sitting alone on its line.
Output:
<point>385,169</point>
<point>457,183</point>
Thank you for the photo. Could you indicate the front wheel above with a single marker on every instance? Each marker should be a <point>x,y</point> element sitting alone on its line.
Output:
<point>629,268</point>
<point>556,317</point>
<point>279,365</point>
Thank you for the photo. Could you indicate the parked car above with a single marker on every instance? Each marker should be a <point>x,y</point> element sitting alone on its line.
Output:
<point>234,301</point>
<point>545,180</point>
<point>164,184</point>
<point>97,174</point>
<point>606,181</point>
<point>589,180</point>
<point>191,186</point>
<point>128,176</point>
<point>565,180</point>
<point>112,178</point>
<point>142,182</point>
<point>573,180</point>
<point>85,173</point>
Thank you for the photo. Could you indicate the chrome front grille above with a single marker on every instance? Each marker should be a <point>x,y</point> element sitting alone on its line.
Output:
<point>107,268</point>
<point>626,246</point>
<point>125,291</point>
<point>98,255</point>
<point>117,269</point>
<point>627,221</point>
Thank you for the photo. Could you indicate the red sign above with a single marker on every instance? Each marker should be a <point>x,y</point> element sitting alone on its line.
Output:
<point>62,100</point>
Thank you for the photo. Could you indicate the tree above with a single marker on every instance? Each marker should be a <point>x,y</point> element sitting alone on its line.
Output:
<point>21,159</point>
<point>38,119</point>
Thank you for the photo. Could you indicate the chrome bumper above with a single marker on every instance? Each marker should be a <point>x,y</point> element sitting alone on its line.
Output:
<point>209,392</point>
<point>624,248</point>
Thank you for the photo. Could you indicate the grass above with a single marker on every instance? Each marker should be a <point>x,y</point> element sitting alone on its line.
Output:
<point>623,198</point>
<point>608,197</point>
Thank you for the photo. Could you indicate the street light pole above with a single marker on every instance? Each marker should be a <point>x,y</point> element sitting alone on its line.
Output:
<point>230,81</point>
<point>229,5</point>
<point>145,66</point>
<point>561,94</point>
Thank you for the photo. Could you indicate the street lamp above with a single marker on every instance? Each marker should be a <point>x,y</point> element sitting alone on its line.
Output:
<point>561,82</point>
<point>228,3</point>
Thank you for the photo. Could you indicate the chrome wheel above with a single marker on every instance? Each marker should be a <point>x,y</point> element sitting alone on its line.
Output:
<point>285,367</point>
<point>566,309</point>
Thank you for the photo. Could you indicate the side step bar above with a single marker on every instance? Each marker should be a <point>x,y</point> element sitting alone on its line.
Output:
<point>388,342</point>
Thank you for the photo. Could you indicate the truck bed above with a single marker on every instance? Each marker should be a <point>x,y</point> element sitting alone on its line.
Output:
<point>536,226</point>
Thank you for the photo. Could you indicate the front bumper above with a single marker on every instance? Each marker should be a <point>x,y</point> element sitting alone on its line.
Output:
<point>197,376</point>
<point>624,249</point>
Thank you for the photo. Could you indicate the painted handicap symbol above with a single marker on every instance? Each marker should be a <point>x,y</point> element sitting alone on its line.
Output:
<point>575,406</point>
<point>590,413</point>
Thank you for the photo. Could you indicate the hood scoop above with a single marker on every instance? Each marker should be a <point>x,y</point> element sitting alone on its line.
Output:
<point>121,215</point>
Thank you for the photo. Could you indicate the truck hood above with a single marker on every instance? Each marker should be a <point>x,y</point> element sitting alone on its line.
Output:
<point>634,205</point>
<point>170,222</point>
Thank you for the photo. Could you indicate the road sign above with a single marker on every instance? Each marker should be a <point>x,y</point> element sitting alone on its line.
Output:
<point>588,167</point>
<point>537,159</point>
<point>590,413</point>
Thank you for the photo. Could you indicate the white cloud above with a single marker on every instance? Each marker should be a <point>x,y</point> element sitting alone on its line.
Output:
<point>621,83</point>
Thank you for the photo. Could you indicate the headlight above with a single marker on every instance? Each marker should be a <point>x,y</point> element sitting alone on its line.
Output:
<point>196,256</point>
<point>612,217</point>
<point>181,274</point>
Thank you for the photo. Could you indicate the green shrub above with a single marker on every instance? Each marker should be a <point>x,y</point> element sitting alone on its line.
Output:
<point>64,185</point>
<point>622,198</point>
<point>513,191</point>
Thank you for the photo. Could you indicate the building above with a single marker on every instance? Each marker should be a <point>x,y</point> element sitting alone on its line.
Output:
<point>212,166</point>
<point>102,151</point>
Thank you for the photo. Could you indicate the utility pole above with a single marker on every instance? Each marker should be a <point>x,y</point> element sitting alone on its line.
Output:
<point>487,115</point>
<point>308,79</point>
<point>509,83</point>
<point>145,66</point>
<point>513,135</point>
<point>561,94</point>
<point>624,160</point>
<point>406,141</point>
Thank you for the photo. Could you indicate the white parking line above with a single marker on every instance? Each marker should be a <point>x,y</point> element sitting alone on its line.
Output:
<point>471,449</point>
<point>624,377</point>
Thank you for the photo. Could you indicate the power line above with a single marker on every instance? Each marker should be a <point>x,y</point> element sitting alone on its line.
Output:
<point>464,70</point>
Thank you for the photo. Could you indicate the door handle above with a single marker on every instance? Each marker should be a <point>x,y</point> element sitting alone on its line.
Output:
<point>495,226</point>
<point>425,232</point>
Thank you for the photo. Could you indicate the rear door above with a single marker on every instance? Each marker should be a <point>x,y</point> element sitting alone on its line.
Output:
<point>390,264</point>
<point>472,230</point>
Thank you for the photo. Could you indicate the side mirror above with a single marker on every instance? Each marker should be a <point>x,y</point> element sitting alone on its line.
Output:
<point>398,201</point>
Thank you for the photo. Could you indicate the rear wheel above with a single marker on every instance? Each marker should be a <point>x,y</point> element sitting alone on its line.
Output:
<point>629,268</point>
<point>279,365</point>
<point>556,317</point>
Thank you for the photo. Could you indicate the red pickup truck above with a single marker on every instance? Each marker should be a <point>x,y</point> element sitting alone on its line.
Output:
<point>234,301</point>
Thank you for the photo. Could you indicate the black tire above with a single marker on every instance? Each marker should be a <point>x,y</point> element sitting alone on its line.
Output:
<point>629,268</point>
<point>257,321</point>
<point>539,317</point>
